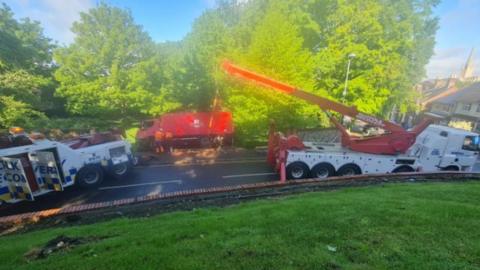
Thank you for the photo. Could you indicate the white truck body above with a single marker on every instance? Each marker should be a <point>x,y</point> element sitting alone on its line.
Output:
<point>32,170</point>
<point>436,148</point>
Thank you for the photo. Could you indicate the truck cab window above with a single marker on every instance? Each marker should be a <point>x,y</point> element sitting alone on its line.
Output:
<point>471,143</point>
<point>146,124</point>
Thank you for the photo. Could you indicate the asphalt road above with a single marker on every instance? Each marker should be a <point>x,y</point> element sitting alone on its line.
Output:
<point>179,171</point>
<point>182,172</point>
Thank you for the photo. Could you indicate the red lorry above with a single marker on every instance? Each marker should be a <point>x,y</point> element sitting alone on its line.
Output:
<point>186,130</point>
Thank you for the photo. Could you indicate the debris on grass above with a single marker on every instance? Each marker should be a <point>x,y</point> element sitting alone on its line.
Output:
<point>58,244</point>
<point>331,248</point>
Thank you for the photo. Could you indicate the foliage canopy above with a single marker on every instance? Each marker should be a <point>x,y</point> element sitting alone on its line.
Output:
<point>114,70</point>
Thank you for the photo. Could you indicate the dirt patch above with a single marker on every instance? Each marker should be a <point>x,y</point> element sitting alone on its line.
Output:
<point>60,243</point>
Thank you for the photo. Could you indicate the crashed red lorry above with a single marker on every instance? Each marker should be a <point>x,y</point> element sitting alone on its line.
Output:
<point>186,130</point>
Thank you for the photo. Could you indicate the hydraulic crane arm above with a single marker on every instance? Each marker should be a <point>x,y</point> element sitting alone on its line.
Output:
<point>323,103</point>
<point>396,140</point>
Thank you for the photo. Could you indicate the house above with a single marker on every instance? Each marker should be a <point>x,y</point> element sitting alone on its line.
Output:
<point>432,90</point>
<point>459,109</point>
<point>436,89</point>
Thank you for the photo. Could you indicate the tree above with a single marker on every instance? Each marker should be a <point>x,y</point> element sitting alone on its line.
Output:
<point>17,113</point>
<point>23,45</point>
<point>26,84</point>
<point>393,41</point>
<point>306,44</point>
<point>112,67</point>
<point>276,49</point>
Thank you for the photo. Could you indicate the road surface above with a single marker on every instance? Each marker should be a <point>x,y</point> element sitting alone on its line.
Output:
<point>180,171</point>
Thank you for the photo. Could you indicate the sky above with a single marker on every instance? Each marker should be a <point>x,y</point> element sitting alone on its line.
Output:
<point>171,20</point>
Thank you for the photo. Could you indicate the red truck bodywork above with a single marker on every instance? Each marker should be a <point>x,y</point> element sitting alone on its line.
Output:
<point>187,129</point>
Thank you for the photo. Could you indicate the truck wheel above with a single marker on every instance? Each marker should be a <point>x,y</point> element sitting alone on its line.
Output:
<point>298,170</point>
<point>323,170</point>
<point>120,171</point>
<point>402,169</point>
<point>451,169</point>
<point>349,169</point>
<point>90,176</point>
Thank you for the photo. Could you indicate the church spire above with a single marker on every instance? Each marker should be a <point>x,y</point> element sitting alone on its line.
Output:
<point>467,71</point>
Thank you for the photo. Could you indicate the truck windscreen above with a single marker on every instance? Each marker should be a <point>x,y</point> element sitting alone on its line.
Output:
<point>471,143</point>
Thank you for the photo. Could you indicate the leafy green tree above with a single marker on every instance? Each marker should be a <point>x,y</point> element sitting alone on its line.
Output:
<point>112,68</point>
<point>23,45</point>
<point>193,81</point>
<point>393,41</point>
<point>17,113</point>
<point>26,85</point>
<point>306,44</point>
<point>276,49</point>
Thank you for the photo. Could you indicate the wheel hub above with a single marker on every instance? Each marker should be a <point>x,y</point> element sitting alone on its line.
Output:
<point>322,173</point>
<point>297,172</point>
<point>120,169</point>
<point>91,178</point>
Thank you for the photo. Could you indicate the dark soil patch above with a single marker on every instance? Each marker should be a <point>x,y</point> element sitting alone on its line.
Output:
<point>59,244</point>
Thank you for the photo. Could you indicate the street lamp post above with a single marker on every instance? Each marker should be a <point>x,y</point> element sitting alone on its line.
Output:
<point>344,93</point>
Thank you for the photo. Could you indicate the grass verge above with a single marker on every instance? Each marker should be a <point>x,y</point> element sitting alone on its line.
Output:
<point>401,226</point>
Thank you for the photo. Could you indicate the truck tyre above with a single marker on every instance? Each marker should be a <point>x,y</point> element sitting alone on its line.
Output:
<point>451,169</point>
<point>323,170</point>
<point>120,171</point>
<point>349,169</point>
<point>297,170</point>
<point>90,176</point>
<point>402,169</point>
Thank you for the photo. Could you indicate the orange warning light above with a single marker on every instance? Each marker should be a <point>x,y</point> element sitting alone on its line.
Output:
<point>16,130</point>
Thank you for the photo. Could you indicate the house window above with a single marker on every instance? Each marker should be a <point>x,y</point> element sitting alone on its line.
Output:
<point>467,106</point>
<point>478,107</point>
<point>450,107</point>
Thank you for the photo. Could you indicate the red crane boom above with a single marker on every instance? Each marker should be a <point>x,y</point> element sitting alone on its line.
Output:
<point>396,140</point>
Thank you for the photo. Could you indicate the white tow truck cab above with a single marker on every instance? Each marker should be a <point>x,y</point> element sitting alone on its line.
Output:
<point>437,148</point>
<point>32,167</point>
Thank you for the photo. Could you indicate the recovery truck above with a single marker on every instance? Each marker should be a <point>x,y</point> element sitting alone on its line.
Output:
<point>424,147</point>
<point>31,166</point>
<point>186,130</point>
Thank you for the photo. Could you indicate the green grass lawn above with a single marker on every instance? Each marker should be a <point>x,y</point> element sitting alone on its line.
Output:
<point>403,226</point>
